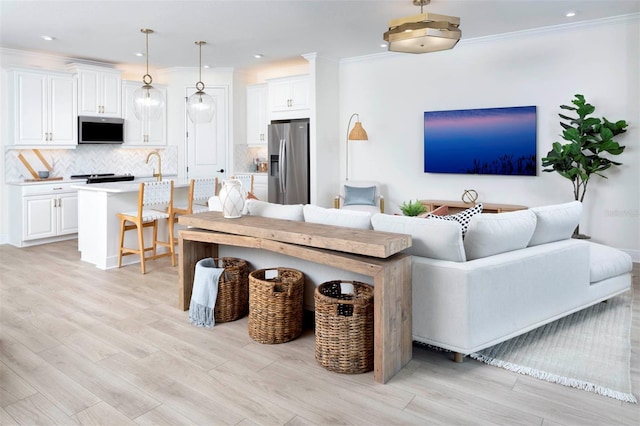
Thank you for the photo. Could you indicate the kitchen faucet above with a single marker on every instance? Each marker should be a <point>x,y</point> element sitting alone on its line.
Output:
<point>159,174</point>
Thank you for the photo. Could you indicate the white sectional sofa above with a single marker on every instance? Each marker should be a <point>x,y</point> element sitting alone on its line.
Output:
<point>512,272</point>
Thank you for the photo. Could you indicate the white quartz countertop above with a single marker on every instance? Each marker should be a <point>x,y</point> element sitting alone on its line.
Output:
<point>120,187</point>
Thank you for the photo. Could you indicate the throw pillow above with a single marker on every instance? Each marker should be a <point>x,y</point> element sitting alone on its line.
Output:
<point>355,195</point>
<point>555,222</point>
<point>462,217</point>
<point>435,239</point>
<point>337,217</point>
<point>275,211</point>
<point>493,233</point>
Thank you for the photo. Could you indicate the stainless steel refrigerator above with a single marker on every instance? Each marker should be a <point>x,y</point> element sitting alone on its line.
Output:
<point>289,162</point>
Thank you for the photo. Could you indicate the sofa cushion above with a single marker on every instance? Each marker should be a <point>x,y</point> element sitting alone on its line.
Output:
<point>275,211</point>
<point>436,239</point>
<point>337,217</point>
<point>555,222</point>
<point>462,217</point>
<point>606,262</point>
<point>493,233</point>
<point>355,195</point>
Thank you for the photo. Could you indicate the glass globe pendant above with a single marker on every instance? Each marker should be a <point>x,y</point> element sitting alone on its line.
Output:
<point>200,106</point>
<point>148,102</point>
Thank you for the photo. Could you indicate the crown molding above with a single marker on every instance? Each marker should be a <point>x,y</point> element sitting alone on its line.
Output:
<point>513,35</point>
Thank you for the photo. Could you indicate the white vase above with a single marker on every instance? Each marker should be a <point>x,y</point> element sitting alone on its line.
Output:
<point>232,198</point>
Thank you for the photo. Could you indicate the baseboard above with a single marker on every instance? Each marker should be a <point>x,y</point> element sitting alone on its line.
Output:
<point>635,255</point>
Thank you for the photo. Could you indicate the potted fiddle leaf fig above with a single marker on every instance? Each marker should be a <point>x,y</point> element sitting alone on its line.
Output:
<point>589,139</point>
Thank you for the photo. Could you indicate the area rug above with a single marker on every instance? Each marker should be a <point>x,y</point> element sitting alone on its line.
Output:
<point>589,350</point>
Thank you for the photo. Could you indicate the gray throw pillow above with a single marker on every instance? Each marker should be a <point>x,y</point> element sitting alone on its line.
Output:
<point>359,196</point>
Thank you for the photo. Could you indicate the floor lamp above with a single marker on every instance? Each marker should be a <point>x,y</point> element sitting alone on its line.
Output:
<point>356,134</point>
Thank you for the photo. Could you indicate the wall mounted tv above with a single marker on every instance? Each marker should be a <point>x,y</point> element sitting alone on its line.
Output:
<point>488,141</point>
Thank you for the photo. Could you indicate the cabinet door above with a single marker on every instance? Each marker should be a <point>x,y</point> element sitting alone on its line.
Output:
<point>257,115</point>
<point>62,111</point>
<point>260,187</point>
<point>299,93</point>
<point>279,95</point>
<point>111,95</point>
<point>31,96</point>
<point>67,213</point>
<point>88,87</point>
<point>40,218</point>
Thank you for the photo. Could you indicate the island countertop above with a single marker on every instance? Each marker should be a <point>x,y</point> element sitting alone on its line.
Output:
<point>126,186</point>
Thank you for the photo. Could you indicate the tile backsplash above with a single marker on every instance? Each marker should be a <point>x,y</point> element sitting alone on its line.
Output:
<point>244,155</point>
<point>86,159</point>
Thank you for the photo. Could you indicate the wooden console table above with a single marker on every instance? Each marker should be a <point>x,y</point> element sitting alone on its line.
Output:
<point>455,206</point>
<point>371,253</point>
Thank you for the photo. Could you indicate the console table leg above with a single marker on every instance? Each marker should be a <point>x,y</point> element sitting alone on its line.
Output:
<point>190,253</point>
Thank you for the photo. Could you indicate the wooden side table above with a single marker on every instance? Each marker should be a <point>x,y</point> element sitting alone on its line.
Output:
<point>456,206</point>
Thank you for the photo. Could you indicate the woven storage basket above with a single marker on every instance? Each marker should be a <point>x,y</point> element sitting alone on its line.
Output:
<point>232,301</point>
<point>344,327</point>
<point>275,305</point>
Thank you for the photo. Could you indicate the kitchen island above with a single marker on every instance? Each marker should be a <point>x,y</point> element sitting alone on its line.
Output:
<point>99,227</point>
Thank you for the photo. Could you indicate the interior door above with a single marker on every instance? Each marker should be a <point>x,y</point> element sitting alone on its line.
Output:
<point>207,142</point>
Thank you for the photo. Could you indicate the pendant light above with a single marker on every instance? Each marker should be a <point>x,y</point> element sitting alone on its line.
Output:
<point>148,102</point>
<point>200,106</point>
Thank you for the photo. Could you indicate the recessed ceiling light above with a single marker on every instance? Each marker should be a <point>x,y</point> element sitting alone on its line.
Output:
<point>384,45</point>
<point>48,38</point>
<point>258,55</point>
<point>570,14</point>
<point>206,66</point>
<point>139,54</point>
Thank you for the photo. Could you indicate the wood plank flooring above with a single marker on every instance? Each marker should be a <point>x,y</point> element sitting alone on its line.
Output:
<point>83,346</point>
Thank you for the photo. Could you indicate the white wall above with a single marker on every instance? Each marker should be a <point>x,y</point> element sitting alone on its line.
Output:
<point>543,68</point>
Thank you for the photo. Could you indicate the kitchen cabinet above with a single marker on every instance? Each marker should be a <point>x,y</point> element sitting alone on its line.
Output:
<point>99,91</point>
<point>260,187</point>
<point>289,97</point>
<point>136,133</point>
<point>45,213</point>
<point>44,110</point>
<point>257,122</point>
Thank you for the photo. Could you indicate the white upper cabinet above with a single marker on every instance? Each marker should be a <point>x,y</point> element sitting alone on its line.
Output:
<point>289,97</point>
<point>99,91</point>
<point>257,121</point>
<point>44,109</point>
<point>135,133</point>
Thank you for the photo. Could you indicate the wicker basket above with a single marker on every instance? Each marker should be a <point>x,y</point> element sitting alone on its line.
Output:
<point>232,301</point>
<point>275,305</point>
<point>344,327</point>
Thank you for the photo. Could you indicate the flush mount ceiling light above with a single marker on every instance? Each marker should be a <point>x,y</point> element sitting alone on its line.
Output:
<point>148,102</point>
<point>423,33</point>
<point>200,106</point>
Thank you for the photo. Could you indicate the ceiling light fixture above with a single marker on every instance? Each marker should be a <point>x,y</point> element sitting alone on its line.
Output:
<point>423,33</point>
<point>148,102</point>
<point>48,38</point>
<point>200,106</point>
<point>570,14</point>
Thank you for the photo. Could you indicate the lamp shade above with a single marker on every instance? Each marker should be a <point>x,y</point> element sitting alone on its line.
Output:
<point>201,107</point>
<point>358,133</point>
<point>148,103</point>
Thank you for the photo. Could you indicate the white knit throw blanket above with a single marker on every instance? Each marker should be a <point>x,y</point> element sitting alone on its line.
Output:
<point>205,292</point>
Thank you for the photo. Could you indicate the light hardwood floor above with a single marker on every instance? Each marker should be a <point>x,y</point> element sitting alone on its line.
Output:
<point>83,346</point>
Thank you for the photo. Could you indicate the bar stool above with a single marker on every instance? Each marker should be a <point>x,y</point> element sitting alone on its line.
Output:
<point>200,190</point>
<point>151,196</point>
<point>246,180</point>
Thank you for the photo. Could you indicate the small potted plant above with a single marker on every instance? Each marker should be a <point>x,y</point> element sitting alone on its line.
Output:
<point>412,208</point>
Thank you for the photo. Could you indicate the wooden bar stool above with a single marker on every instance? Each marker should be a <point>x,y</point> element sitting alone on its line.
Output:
<point>246,180</point>
<point>151,195</point>
<point>200,190</point>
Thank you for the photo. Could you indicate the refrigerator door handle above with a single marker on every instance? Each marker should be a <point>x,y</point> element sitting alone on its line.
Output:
<point>283,167</point>
<point>280,166</point>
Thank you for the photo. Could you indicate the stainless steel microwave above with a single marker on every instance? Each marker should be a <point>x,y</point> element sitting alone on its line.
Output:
<point>100,130</point>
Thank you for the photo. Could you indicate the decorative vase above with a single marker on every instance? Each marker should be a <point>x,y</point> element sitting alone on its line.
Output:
<point>232,197</point>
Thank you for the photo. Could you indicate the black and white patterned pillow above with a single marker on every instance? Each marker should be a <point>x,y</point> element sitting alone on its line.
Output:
<point>464,217</point>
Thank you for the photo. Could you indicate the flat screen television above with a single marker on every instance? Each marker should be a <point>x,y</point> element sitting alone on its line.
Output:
<point>488,141</point>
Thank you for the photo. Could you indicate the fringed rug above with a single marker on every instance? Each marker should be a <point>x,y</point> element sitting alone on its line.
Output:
<point>589,350</point>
